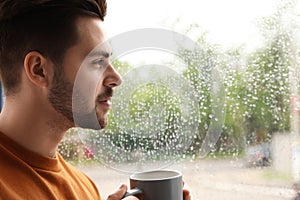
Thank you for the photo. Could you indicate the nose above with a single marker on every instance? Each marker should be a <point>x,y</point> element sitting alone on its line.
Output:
<point>112,77</point>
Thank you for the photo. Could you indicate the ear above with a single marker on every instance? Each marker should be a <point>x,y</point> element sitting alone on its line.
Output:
<point>36,67</point>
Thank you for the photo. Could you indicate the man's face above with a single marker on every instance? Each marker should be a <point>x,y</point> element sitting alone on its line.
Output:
<point>92,76</point>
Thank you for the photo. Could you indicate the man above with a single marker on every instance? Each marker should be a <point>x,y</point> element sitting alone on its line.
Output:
<point>42,46</point>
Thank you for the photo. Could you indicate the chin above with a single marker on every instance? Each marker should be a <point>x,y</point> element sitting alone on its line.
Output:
<point>102,122</point>
<point>102,118</point>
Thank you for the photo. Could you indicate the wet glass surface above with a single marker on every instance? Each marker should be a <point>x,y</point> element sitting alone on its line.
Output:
<point>227,116</point>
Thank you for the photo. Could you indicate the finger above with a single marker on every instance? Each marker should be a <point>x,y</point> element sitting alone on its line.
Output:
<point>186,194</point>
<point>117,195</point>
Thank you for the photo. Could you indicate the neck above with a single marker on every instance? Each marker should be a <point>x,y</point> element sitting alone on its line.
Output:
<point>32,127</point>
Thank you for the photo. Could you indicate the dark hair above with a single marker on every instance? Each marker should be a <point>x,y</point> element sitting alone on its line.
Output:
<point>46,26</point>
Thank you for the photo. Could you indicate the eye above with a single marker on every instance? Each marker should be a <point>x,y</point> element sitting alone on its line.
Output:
<point>99,63</point>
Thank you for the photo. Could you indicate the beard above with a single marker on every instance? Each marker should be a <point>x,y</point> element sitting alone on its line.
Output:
<point>98,117</point>
<point>60,97</point>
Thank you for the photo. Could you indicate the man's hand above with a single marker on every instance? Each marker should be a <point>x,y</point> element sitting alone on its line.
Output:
<point>117,195</point>
<point>186,193</point>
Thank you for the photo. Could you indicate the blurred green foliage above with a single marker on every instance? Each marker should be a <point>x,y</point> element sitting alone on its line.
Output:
<point>256,88</point>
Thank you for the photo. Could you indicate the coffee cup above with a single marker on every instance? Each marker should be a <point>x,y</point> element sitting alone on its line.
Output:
<point>156,185</point>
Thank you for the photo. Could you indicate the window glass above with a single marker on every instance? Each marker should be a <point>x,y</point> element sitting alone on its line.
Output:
<point>216,97</point>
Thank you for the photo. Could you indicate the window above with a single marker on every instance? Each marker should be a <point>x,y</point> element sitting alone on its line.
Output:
<point>221,104</point>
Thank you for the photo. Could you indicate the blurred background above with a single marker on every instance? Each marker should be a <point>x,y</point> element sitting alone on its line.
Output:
<point>255,47</point>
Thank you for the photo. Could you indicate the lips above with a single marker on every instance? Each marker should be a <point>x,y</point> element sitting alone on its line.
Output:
<point>105,101</point>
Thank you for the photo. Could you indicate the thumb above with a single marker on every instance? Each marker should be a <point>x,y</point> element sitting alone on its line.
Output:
<point>118,194</point>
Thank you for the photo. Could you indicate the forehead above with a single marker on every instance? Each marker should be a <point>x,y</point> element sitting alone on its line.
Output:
<point>91,32</point>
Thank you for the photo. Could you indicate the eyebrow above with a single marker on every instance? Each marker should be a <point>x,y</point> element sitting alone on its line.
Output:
<point>105,54</point>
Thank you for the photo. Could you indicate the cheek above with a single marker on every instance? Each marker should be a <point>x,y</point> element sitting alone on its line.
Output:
<point>99,87</point>
<point>87,86</point>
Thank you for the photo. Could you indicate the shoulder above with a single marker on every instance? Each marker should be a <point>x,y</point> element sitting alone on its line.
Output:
<point>74,173</point>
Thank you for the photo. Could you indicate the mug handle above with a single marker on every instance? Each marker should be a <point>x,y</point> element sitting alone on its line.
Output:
<point>132,192</point>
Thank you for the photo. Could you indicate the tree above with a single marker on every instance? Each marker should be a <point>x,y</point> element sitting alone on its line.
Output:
<point>268,89</point>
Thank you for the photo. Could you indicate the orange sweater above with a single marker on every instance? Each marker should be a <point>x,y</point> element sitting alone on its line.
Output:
<point>28,175</point>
